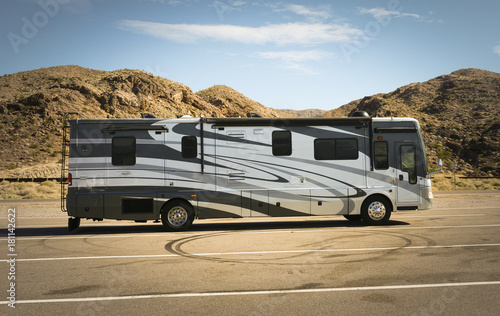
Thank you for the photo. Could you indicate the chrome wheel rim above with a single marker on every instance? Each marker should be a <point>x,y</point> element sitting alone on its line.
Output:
<point>177,216</point>
<point>376,210</point>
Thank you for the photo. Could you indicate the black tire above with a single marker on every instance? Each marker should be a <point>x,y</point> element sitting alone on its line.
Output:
<point>353,218</point>
<point>73,223</point>
<point>177,215</point>
<point>376,210</point>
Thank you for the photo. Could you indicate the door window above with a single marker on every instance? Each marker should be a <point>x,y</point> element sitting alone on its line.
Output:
<point>408,162</point>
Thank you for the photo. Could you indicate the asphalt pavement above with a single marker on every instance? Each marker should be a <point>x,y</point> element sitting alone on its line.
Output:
<point>443,261</point>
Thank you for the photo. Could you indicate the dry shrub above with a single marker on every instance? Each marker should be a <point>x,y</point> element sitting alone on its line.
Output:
<point>446,182</point>
<point>29,190</point>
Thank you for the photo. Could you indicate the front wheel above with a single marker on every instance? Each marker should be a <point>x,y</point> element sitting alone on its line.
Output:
<point>376,210</point>
<point>177,216</point>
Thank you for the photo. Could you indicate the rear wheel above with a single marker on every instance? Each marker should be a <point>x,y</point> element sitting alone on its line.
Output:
<point>376,210</point>
<point>177,215</point>
<point>73,223</point>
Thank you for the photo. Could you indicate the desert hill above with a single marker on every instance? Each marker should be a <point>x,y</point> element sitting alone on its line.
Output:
<point>309,113</point>
<point>235,104</point>
<point>458,113</point>
<point>33,103</point>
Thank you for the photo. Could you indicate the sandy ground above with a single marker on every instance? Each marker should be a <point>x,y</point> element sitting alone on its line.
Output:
<point>466,199</point>
<point>442,200</point>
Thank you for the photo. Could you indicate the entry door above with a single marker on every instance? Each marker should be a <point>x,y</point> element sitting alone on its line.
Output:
<point>135,170</point>
<point>408,188</point>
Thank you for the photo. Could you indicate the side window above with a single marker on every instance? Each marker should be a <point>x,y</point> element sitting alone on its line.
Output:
<point>336,149</point>
<point>381,155</point>
<point>282,143</point>
<point>346,149</point>
<point>324,149</point>
<point>408,162</point>
<point>189,147</point>
<point>123,151</point>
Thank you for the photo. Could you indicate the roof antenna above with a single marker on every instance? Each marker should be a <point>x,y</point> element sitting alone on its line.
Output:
<point>250,114</point>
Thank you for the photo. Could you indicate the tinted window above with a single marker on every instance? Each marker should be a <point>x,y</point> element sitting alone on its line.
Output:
<point>336,149</point>
<point>189,147</point>
<point>324,149</point>
<point>123,151</point>
<point>282,143</point>
<point>408,162</point>
<point>346,149</point>
<point>381,155</point>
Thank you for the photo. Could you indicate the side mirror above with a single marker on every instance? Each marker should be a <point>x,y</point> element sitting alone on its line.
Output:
<point>440,164</point>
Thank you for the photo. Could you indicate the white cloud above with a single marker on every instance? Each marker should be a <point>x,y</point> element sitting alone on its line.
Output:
<point>312,14</point>
<point>280,34</point>
<point>169,2</point>
<point>224,7</point>
<point>296,56</point>
<point>297,60</point>
<point>237,3</point>
<point>496,49</point>
<point>381,13</point>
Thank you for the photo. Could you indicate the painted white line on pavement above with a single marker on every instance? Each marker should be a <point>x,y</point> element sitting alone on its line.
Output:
<point>236,253</point>
<point>271,231</point>
<point>429,216</point>
<point>265,292</point>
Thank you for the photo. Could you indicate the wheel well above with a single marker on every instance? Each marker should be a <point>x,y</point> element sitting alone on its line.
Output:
<point>175,201</point>
<point>380,197</point>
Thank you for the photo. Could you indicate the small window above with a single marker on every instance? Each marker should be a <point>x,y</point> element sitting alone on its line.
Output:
<point>189,147</point>
<point>336,149</point>
<point>408,162</point>
<point>346,149</point>
<point>381,155</point>
<point>282,143</point>
<point>123,151</point>
<point>324,149</point>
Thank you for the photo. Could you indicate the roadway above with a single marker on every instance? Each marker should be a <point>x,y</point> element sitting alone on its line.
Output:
<point>444,261</point>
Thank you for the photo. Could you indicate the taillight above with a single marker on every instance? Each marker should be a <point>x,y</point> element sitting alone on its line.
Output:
<point>70,179</point>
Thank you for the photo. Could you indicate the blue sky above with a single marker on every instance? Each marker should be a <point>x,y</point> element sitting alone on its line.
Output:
<point>283,54</point>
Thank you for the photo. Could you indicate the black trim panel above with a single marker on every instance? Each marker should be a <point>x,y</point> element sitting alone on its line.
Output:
<point>135,128</point>
<point>396,129</point>
<point>407,208</point>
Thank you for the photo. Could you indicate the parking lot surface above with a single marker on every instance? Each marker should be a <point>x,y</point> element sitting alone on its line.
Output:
<point>444,261</point>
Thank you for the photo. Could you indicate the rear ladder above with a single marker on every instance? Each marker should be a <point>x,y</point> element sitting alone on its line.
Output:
<point>65,159</point>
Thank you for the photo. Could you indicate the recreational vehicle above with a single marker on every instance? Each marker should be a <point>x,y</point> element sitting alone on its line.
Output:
<point>179,170</point>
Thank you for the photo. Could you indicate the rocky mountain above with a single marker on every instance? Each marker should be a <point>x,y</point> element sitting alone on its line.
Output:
<point>33,103</point>
<point>458,114</point>
<point>234,104</point>
<point>309,113</point>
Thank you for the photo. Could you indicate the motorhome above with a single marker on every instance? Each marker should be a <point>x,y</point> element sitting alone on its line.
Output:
<point>179,170</point>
